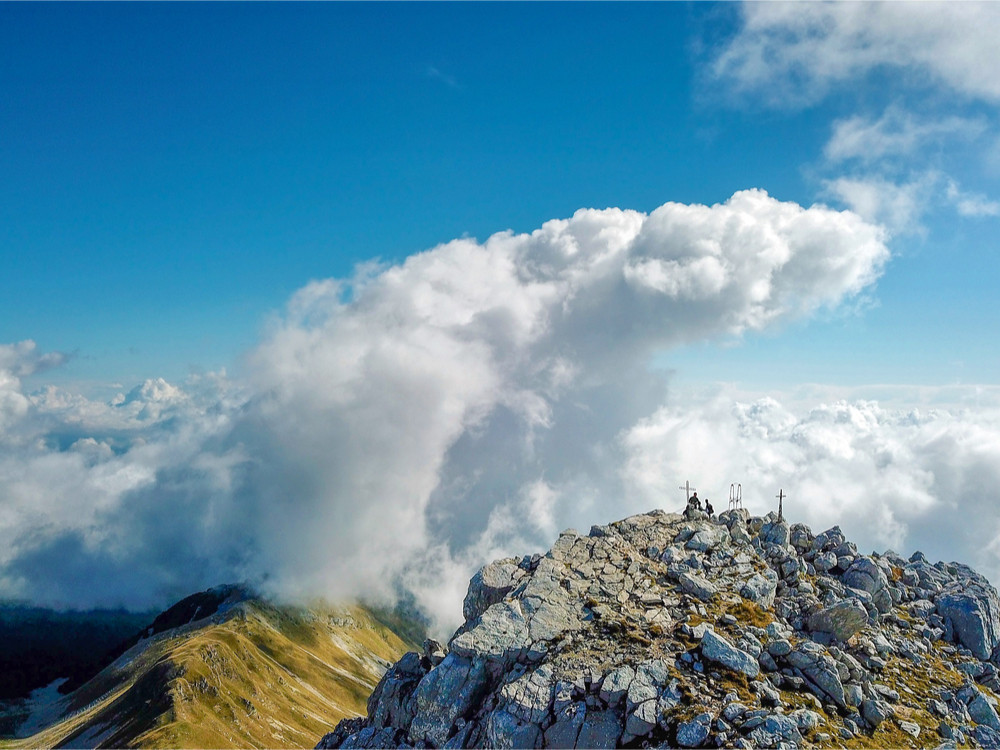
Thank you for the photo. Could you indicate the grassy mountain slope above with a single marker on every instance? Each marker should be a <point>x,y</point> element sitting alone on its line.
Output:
<point>252,674</point>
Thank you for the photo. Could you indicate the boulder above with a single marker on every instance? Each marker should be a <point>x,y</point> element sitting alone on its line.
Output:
<point>698,586</point>
<point>760,588</point>
<point>825,562</point>
<point>775,730</point>
<point>875,711</point>
<point>974,613</point>
<point>642,719</point>
<point>694,732</point>
<point>820,672</point>
<point>986,736</point>
<point>842,620</point>
<point>500,634</point>
<point>983,711</point>
<point>490,585</point>
<point>716,648</point>
<point>529,697</point>
<point>707,538</point>
<point>864,574</point>
<point>775,532</point>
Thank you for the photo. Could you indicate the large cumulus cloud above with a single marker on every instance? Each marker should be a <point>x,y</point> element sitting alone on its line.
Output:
<point>402,426</point>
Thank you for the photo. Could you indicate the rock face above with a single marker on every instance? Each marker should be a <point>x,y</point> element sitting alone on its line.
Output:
<point>667,630</point>
<point>974,613</point>
<point>841,620</point>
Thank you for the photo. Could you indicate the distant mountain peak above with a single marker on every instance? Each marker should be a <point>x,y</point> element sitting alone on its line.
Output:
<point>683,630</point>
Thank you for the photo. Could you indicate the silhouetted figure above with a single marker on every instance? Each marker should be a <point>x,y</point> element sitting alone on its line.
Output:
<point>694,502</point>
<point>708,508</point>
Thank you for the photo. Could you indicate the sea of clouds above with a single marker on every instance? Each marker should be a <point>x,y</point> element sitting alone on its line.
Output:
<point>396,430</point>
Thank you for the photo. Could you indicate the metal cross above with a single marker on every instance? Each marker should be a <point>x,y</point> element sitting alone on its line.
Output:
<point>780,496</point>
<point>688,489</point>
<point>736,496</point>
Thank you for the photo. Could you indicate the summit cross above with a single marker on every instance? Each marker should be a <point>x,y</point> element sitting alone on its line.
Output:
<point>688,489</point>
<point>781,497</point>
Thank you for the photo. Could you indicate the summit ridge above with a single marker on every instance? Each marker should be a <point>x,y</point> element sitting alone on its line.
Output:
<point>669,630</point>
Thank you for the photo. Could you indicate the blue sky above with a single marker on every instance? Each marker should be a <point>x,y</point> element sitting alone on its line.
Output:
<point>172,173</point>
<point>254,304</point>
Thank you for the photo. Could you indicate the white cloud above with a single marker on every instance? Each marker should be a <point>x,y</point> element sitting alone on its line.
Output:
<point>896,133</point>
<point>905,479</point>
<point>410,425</point>
<point>898,206</point>
<point>971,204</point>
<point>791,54</point>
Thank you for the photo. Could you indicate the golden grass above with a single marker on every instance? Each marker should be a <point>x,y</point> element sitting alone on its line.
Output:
<point>269,677</point>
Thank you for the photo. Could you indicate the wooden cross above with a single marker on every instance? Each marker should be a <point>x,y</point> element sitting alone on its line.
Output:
<point>688,489</point>
<point>780,496</point>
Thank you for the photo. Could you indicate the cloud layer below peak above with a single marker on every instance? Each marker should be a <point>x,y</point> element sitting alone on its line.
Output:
<point>400,428</point>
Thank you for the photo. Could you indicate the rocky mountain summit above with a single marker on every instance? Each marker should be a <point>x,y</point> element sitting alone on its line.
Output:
<point>663,630</point>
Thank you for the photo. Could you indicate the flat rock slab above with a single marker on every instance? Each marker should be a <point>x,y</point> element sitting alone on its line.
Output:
<point>716,648</point>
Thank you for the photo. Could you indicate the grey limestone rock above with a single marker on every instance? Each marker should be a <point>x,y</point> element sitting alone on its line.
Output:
<point>716,648</point>
<point>983,711</point>
<point>986,736</point>
<point>698,586</point>
<point>600,729</point>
<point>820,672</point>
<point>707,538</point>
<point>490,585</point>
<point>800,536</point>
<point>760,588</point>
<point>529,697</point>
<point>694,732</point>
<point>842,620</point>
<point>434,652</point>
<point>642,719</point>
<point>974,612</point>
<point>828,540</point>
<point>591,644</point>
<point>866,575</point>
<point>775,532</point>
<point>779,647</point>
<point>501,633</point>
<point>503,730</point>
<point>641,689</point>
<point>825,561</point>
<point>805,719</point>
<point>393,703</point>
<point>616,683</point>
<point>566,728</point>
<point>443,695</point>
<point>775,730</point>
<point>875,711</point>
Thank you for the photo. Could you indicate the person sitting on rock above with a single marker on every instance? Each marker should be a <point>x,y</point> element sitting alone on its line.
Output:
<point>694,502</point>
<point>708,508</point>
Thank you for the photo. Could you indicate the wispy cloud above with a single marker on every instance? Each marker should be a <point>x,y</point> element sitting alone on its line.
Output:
<point>971,204</point>
<point>899,206</point>
<point>793,54</point>
<point>897,133</point>
<point>432,71</point>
